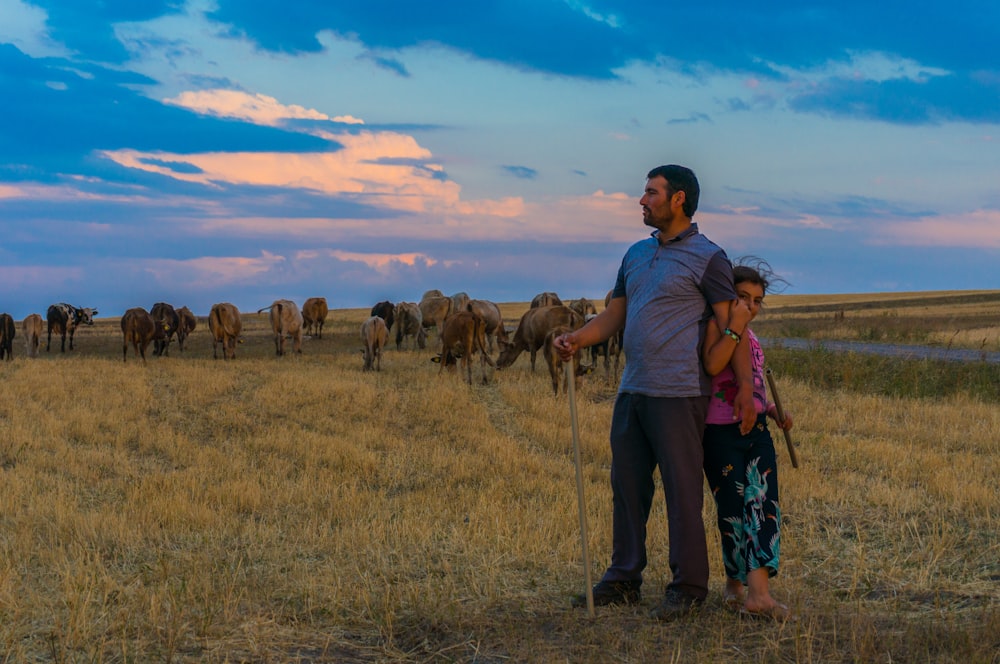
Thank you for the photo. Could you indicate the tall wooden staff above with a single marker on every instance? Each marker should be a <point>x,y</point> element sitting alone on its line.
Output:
<point>781,417</point>
<point>571,390</point>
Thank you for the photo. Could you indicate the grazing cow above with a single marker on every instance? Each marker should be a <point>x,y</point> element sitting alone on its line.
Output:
<point>286,321</point>
<point>409,322</point>
<point>556,364</point>
<point>166,314</point>
<point>64,319</point>
<point>531,331</point>
<point>374,333</point>
<point>386,311</point>
<point>314,312</point>
<point>583,306</point>
<point>431,293</point>
<point>186,322</point>
<point>464,335</point>
<point>225,324</point>
<point>490,313</point>
<point>434,310</point>
<point>600,349</point>
<point>139,327</point>
<point>7,333</point>
<point>31,327</point>
<point>546,299</point>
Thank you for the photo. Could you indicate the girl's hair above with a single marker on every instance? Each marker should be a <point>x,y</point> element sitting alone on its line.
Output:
<point>757,271</point>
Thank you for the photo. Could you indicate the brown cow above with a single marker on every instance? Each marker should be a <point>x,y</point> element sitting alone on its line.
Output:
<point>464,335</point>
<point>385,310</point>
<point>583,306</point>
<point>433,311</point>
<point>546,299</point>
<point>460,301</point>
<point>31,327</point>
<point>314,312</point>
<point>64,319</point>
<point>186,322</point>
<point>166,314</point>
<point>490,313</point>
<point>139,328</point>
<point>374,333</point>
<point>531,331</point>
<point>286,321</point>
<point>225,324</point>
<point>7,332</point>
<point>409,322</point>
<point>555,364</point>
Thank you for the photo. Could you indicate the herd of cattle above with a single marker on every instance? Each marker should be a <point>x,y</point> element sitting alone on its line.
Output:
<point>465,328</point>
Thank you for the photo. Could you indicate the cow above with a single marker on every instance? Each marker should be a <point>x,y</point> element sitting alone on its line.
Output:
<point>167,315</point>
<point>225,324</point>
<point>374,334</point>
<point>464,335</point>
<point>386,311</point>
<point>64,319</point>
<point>431,293</point>
<point>7,332</point>
<point>546,299</point>
<point>583,306</point>
<point>434,310</point>
<point>409,322</point>
<point>139,327</point>
<point>615,342</point>
<point>556,364</point>
<point>186,322</point>
<point>286,321</point>
<point>600,349</point>
<point>531,331</point>
<point>460,301</point>
<point>496,333</point>
<point>31,327</point>
<point>314,311</point>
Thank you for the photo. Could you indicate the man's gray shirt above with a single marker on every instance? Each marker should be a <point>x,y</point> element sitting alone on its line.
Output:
<point>669,289</point>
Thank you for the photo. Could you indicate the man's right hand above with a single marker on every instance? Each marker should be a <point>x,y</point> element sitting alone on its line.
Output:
<point>566,346</point>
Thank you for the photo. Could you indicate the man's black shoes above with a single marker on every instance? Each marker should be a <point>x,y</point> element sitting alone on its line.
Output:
<point>607,593</point>
<point>675,603</point>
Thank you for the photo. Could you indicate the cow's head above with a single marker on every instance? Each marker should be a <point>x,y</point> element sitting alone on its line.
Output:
<point>85,316</point>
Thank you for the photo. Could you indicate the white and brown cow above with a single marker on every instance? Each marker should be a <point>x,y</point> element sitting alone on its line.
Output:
<point>225,324</point>
<point>496,333</point>
<point>314,312</point>
<point>31,327</point>
<point>7,332</point>
<point>166,315</point>
<point>139,328</point>
<point>186,323</point>
<point>286,321</point>
<point>374,334</point>
<point>546,299</point>
<point>64,319</point>
<point>464,335</point>
<point>531,331</point>
<point>409,323</point>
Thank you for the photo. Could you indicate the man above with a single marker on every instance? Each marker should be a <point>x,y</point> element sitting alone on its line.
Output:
<point>668,287</point>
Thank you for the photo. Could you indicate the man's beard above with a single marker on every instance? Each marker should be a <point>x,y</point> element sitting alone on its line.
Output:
<point>653,221</point>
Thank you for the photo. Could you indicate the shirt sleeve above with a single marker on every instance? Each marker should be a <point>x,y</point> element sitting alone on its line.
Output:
<point>717,282</point>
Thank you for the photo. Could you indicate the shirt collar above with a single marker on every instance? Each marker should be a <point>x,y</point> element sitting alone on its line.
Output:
<point>686,233</point>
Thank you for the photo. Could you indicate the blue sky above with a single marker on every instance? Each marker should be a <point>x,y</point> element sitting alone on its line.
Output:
<point>197,152</point>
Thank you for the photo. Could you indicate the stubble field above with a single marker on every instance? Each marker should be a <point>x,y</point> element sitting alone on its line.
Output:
<point>297,509</point>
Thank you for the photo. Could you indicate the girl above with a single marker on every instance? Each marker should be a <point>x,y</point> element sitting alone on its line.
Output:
<point>742,470</point>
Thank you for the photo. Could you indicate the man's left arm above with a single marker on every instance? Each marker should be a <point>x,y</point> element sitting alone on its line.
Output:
<point>744,409</point>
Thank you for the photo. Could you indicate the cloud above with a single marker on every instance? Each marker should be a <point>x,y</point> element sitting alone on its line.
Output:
<point>979,229</point>
<point>522,172</point>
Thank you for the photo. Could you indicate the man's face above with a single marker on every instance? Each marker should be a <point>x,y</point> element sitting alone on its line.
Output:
<point>655,202</point>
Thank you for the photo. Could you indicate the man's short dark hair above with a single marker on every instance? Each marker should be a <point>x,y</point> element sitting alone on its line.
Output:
<point>680,178</point>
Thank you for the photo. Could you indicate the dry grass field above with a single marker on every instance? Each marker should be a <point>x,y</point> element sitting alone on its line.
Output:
<point>298,509</point>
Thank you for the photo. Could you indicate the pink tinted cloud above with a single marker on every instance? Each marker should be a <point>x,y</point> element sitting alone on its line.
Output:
<point>979,229</point>
<point>217,270</point>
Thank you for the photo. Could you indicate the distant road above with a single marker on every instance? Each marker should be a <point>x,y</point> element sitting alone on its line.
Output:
<point>891,350</point>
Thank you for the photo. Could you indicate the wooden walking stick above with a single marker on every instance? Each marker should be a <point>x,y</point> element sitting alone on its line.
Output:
<point>781,416</point>
<point>571,390</point>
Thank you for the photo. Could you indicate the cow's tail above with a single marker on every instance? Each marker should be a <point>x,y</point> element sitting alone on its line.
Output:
<point>480,335</point>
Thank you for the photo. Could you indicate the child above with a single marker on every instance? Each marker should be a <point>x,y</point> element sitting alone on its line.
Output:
<point>741,470</point>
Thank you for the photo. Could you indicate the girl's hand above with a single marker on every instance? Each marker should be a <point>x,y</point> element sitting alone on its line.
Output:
<point>785,424</point>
